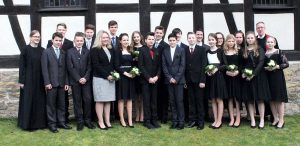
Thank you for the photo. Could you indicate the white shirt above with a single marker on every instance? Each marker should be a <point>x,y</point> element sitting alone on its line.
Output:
<point>179,44</point>
<point>213,58</point>
<point>88,43</point>
<point>199,43</point>
<point>172,50</point>
<point>261,37</point>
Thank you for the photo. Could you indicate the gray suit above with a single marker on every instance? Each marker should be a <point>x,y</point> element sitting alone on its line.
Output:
<point>175,69</point>
<point>55,73</point>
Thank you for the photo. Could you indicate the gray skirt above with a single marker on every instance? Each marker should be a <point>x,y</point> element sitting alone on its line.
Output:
<point>104,90</point>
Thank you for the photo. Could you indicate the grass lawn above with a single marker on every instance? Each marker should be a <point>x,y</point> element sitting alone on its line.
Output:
<point>10,134</point>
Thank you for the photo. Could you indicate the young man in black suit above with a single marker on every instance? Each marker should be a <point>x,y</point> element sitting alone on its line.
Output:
<point>173,64</point>
<point>196,61</point>
<point>89,32</point>
<point>163,102</point>
<point>56,83</point>
<point>79,69</point>
<point>150,66</point>
<point>178,33</point>
<point>113,28</point>
<point>65,45</point>
<point>200,39</point>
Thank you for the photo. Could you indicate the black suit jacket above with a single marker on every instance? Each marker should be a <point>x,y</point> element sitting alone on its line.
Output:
<point>195,65</point>
<point>149,67</point>
<point>176,68</point>
<point>54,70</point>
<point>79,65</point>
<point>205,46</point>
<point>66,45</point>
<point>182,45</point>
<point>101,66</point>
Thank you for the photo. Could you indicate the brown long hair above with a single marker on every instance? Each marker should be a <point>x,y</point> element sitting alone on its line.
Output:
<point>255,45</point>
<point>129,49</point>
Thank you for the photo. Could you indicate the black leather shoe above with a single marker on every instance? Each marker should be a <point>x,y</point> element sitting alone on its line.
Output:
<point>80,126</point>
<point>200,126</point>
<point>64,126</point>
<point>155,124</point>
<point>180,126</point>
<point>191,124</point>
<point>173,126</point>
<point>214,127</point>
<point>53,129</point>
<point>148,125</point>
<point>90,125</point>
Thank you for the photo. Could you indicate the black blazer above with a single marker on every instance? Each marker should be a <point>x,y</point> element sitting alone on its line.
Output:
<point>205,46</point>
<point>222,59</point>
<point>54,70</point>
<point>174,69</point>
<point>162,45</point>
<point>66,45</point>
<point>182,45</point>
<point>195,65</point>
<point>101,66</point>
<point>79,65</point>
<point>149,67</point>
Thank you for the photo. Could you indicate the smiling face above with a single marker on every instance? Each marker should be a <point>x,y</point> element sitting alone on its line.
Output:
<point>220,40</point>
<point>212,42</point>
<point>239,38</point>
<point>172,42</point>
<point>260,29</point>
<point>250,39</point>
<point>149,41</point>
<point>113,29</point>
<point>270,43</point>
<point>78,41</point>
<point>57,42</point>
<point>199,36</point>
<point>158,34</point>
<point>105,39</point>
<point>136,38</point>
<point>35,39</point>
<point>191,39</point>
<point>124,41</point>
<point>61,29</point>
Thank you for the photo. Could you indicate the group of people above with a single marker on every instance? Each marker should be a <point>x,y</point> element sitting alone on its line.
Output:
<point>155,74</point>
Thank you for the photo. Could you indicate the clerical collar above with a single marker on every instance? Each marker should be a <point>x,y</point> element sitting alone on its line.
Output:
<point>260,37</point>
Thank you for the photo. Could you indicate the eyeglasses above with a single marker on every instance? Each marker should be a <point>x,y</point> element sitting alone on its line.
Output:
<point>36,36</point>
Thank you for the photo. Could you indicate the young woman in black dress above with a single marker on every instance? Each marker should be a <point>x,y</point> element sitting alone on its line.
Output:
<point>255,87</point>
<point>137,42</point>
<point>276,81</point>
<point>233,57</point>
<point>220,39</point>
<point>240,39</point>
<point>126,84</point>
<point>215,80</point>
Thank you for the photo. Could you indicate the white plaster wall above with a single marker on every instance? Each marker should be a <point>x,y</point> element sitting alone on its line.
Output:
<point>127,22</point>
<point>281,26</point>
<point>182,20</point>
<point>239,20</point>
<point>21,2</point>
<point>1,3</point>
<point>115,1</point>
<point>236,1</point>
<point>74,24</point>
<point>165,1</point>
<point>11,47</point>
<point>211,1</point>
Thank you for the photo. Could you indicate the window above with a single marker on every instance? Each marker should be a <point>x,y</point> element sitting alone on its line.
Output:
<point>64,3</point>
<point>270,4</point>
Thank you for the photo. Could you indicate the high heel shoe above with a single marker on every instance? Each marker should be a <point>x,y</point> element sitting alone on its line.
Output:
<point>105,128</point>
<point>214,127</point>
<point>275,125</point>
<point>281,126</point>
<point>253,127</point>
<point>122,124</point>
<point>261,127</point>
<point>236,126</point>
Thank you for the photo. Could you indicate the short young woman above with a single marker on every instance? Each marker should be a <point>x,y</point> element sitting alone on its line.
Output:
<point>233,56</point>
<point>215,80</point>
<point>276,81</point>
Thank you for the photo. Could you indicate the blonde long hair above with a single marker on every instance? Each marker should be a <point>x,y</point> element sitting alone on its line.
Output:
<point>225,46</point>
<point>255,45</point>
<point>98,40</point>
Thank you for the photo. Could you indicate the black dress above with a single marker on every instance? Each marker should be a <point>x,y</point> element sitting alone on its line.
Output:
<point>257,89</point>
<point>216,85</point>
<point>276,78</point>
<point>125,86</point>
<point>32,105</point>
<point>233,84</point>
<point>138,85</point>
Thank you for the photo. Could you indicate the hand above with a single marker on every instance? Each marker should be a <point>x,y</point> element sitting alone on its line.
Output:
<point>268,69</point>
<point>173,81</point>
<point>21,85</point>
<point>249,78</point>
<point>128,75</point>
<point>48,87</point>
<point>110,78</point>
<point>82,81</point>
<point>151,81</point>
<point>277,67</point>
<point>202,85</point>
<point>66,87</point>
<point>243,75</point>
<point>229,73</point>
<point>155,79</point>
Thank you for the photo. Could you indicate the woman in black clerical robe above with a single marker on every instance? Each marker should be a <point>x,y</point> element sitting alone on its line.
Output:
<point>32,104</point>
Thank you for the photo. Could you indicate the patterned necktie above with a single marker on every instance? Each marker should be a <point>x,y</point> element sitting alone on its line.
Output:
<point>57,53</point>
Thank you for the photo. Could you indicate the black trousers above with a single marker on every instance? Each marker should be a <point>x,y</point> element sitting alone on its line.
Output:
<point>196,106</point>
<point>56,106</point>
<point>150,101</point>
<point>82,102</point>
<point>163,102</point>
<point>66,97</point>
<point>176,102</point>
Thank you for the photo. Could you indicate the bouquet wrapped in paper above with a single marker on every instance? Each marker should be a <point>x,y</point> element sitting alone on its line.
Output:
<point>135,54</point>
<point>115,75</point>
<point>232,67</point>
<point>210,68</point>
<point>135,72</point>
<point>248,73</point>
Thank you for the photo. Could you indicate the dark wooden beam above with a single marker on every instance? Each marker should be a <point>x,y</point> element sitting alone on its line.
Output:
<point>165,20</point>
<point>14,10</point>
<point>248,15</point>
<point>198,15</point>
<point>229,18</point>
<point>118,8</point>
<point>16,29</point>
<point>296,25</point>
<point>90,16</point>
<point>144,10</point>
